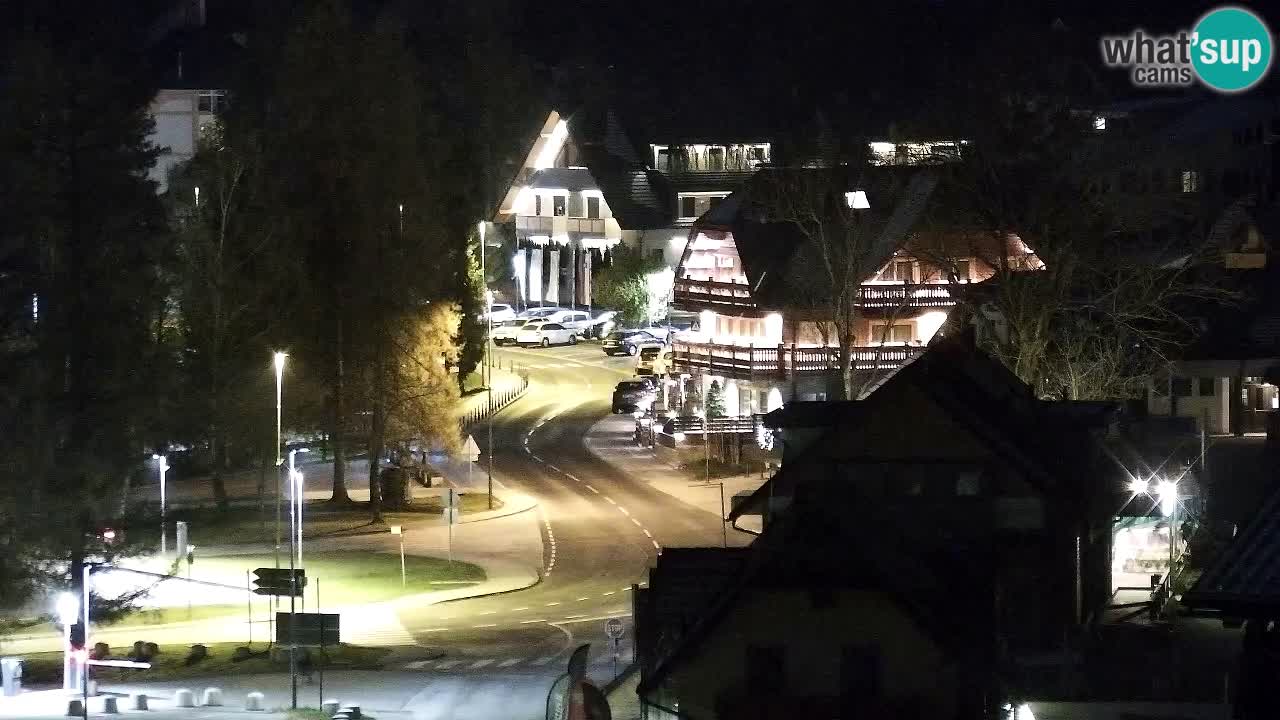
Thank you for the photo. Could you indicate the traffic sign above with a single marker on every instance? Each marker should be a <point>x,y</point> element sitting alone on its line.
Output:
<point>313,629</point>
<point>276,581</point>
<point>471,449</point>
<point>613,628</point>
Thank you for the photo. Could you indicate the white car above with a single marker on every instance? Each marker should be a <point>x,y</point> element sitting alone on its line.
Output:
<point>653,360</point>
<point>537,313</point>
<point>575,320</point>
<point>546,334</point>
<point>505,333</point>
<point>499,312</point>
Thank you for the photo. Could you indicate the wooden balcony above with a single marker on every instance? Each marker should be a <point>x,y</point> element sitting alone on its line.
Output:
<point>783,361</point>
<point>559,225</point>
<point>695,295</point>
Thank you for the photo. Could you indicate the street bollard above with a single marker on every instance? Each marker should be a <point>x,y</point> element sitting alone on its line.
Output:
<point>75,708</point>
<point>184,698</point>
<point>212,697</point>
<point>253,701</point>
<point>139,701</point>
<point>109,706</point>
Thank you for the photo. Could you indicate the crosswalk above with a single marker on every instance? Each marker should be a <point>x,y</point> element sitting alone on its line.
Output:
<point>453,664</point>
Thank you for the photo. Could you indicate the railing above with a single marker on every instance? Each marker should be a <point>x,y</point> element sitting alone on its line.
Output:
<point>559,224</point>
<point>738,295</point>
<point>746,361</point>
<point>494,403</point>
<point>710,292</point>
<point>714,426</point>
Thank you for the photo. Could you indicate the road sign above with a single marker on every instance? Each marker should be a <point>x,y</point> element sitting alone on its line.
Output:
<point>276,581</point>
<point>471,449</point>
<point>613,628</point>
<point>396,529</point>
<point>313,629</point>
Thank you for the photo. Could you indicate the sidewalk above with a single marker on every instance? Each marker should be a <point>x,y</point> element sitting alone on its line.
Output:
<point>611,440</point>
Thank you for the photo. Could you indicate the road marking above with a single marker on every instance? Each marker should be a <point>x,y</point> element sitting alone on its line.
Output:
<point>434,630</point>
<point>637,522</point>
<point>535,457</point>
<point>553,467</point>
<point>508,662</point>
<point>623,511</point>
<point>581,599</point>
<point>477,627</point>
<point>593,490</point>
<point>647,533</point>
<point>609,500</point>
<point>572,477</point>
<point>489,612</point>
<point>572,617</point>
<point>526,607</point>
<point>656,545</point>
<point>530,622</point>
<point>416,665</point>
<point>610,592</point>
<point>543,660</point>
<point>553,604</point>
<point>446,664</point>
<point>481,663</point>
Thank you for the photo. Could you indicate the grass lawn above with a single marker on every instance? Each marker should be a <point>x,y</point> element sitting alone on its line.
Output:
<point>359,577</point>
<point>142,618</point>
<point>170,664</point>
<point>210,527</point>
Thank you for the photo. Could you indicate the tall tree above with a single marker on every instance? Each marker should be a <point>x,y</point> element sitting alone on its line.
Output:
<point>623,284</point>
<point>80,241</point>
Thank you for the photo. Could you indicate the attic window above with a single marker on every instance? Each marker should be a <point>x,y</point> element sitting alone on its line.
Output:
<point>857,199</point>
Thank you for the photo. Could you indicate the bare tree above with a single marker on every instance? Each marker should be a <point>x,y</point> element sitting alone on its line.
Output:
<point>840,246</point>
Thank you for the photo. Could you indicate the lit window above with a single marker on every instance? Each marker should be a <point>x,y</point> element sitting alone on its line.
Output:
<point>1190,181</point>
<point>1099,123</point>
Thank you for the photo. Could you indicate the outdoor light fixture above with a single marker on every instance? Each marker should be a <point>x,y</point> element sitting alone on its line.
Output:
<point>1138,487</point>
<point>857,199</point>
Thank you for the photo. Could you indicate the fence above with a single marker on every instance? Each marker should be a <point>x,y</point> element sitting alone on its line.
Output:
<point>495,402</point>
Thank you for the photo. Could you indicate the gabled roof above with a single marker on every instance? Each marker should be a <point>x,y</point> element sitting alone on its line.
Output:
<point>1245,578</point>
<point>572,179</point>
<point>1042,438</point>
<point>780,262</point>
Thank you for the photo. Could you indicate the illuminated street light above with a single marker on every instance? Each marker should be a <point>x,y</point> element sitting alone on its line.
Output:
<point>1167,491</point>
<point>278,358</point>
<point>162,463</point>
<point>1138,486</point>
<point>295,497</point>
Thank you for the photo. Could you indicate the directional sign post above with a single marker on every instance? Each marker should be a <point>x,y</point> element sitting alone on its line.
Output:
<point>278,581</point>
<point>398,530</point>
<point>450,512</point>
<point>472,453</point>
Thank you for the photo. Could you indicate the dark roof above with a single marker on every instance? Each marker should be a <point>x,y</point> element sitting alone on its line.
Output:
<point>1245,578</point>
<point>572,179</point>
<point>779,261</point>
<point>1045,439</point>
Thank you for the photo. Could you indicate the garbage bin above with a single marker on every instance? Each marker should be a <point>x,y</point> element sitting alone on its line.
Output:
<point>11,672</point>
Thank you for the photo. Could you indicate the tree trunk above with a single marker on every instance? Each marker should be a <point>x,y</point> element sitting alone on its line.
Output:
<point>216,452</point>
<point>846,369</point>
<point>377,442</point>
<point>339,414</point>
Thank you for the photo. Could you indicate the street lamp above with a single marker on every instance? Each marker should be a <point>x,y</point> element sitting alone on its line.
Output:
<point>296,498</point>
<point>488,358</point>
<point>1138,487</point>
<point>162,462</point>
<point>278,358</point>
<point>68,609</point>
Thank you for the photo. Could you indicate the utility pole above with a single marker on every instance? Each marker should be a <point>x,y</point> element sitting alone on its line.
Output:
<point>488,360</point>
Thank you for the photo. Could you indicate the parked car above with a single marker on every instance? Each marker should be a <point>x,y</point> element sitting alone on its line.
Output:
<point>662,333</point>
<point>537,312</point>
<point>499,312</point>
<point>603,324</point>
<point>577,320</point>
<point>654,360</point>
<point>628,342</point>
<point>632,395</point>
<point>505,333</point>
<point>546,334</point>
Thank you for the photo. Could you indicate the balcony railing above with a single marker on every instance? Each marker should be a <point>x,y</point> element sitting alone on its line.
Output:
<point>748,361</point>
<point>560,224</point>
<point>698,294</point>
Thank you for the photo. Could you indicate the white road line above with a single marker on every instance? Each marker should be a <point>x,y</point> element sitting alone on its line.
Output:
<point>542,660</point>
<point>573,617</point>
<point>535,457</point>
<point>477,627</point>
<point>609,500</point>
<point>552,604</point>
<point>481,663</point>
<point>610,592</point>
<point>637,522</point>
<point>446,664</point>
<point>593,490</point>
<point>434,630</point>
<point>530,622</point>
<point>416,665</point>
<point>647,533</point>
<point>526,607</point>
<point>581,599</point>
<point>489,612</point>
<point>656,545</point>
<point>508,662</point>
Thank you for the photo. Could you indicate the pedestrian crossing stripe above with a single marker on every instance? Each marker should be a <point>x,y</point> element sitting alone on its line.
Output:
<point>508,662</point>
<point>480,663</point>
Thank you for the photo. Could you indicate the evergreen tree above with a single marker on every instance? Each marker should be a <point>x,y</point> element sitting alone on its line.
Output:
<point>715,400</point>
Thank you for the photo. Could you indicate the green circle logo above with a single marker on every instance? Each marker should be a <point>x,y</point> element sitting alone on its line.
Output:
<point>1231,49</point>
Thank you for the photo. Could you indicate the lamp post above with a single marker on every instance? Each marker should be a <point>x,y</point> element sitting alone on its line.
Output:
<point>1167,491</point>
<point>488,359</point>
<point>295,559</point>
<point>67,607</point>
<point>295,504</point>
<point>278,358</point>
<point>162,462</point>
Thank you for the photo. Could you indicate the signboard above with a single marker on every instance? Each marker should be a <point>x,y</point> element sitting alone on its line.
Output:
<point>613,628</point>
<point>471,450</point>
<point>276,581</point>
<point>396,530</point>
<point>313,629</point>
